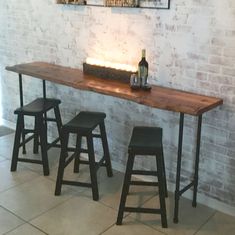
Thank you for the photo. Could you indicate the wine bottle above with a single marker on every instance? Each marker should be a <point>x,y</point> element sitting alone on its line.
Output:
<point>143,69</point>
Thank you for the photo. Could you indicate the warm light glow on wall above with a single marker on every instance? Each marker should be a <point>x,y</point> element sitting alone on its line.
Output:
<point>107,64</point>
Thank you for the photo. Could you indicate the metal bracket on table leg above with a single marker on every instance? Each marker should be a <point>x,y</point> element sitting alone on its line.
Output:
<point>195,180</point>
<point>177,187</point>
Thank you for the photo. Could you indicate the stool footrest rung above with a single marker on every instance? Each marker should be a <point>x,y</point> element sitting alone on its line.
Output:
<point>83,150</point>
<point>57,145</point>
<point>100,163</point>
<point>74,183</point>
<point>142,210</point>
<point>30,160</point>
<point>143,172</point>
<point>68,160</point>
<point>26,131</point>
<point>70,149</point>
<point>85,162</point>
<point>26,140</point>
<point>50,119</point>
<point>96,135</point>
<point>73,149</point>
<point>53,143</point>
<point>143,183</point>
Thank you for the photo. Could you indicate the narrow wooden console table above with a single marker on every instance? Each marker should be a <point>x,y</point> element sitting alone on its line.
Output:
<point>159,97</point>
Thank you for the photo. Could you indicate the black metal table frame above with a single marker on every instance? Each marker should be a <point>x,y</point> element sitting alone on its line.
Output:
<point>178,191</point>
<point>194,183</point>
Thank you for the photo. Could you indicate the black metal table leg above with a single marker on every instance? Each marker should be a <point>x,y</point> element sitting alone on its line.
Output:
<point>195,179</point>
<point>44,89</point>
<point>21,90</point>
<point>177,187</point>
<point>21,105</point>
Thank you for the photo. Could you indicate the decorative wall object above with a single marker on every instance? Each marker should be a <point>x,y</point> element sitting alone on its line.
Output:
<point>155,4</point>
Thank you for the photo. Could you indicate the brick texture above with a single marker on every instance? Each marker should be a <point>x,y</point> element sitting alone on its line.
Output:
<point>189,47</point>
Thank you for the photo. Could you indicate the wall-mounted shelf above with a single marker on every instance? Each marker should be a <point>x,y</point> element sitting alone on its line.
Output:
<point>150,4</point>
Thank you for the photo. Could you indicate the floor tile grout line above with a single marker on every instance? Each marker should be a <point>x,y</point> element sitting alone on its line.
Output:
<point>14,228</point>
<point>19,184</point>
<point>27,181</point>
<point>24,224</point>
<point>28,221</point>
<point>38,228</point>
<point>109,227</point>
<point>52,208</point>
<point>11,212</point>
<point>65,202</point>
<point>209,218</point>
<point>70,197</point>
<point>112,225</point>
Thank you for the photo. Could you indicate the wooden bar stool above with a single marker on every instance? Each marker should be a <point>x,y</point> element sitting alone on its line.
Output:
<point>83,125</point>
<point>145,141</point>
<point>37,109</point>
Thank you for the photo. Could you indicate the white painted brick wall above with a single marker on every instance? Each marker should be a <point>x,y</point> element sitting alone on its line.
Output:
<point>190,47</point>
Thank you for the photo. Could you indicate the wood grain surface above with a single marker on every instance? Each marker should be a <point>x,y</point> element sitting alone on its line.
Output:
<point>159,97</point>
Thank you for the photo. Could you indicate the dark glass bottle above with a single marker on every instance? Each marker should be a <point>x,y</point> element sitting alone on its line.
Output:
<point>143,69</point>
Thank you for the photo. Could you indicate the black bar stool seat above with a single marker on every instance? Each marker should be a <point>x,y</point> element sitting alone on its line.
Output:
<point>38,106</point>
<point>85,122</point>
<point>37,109</point>
<point>83,125</point>
<point>145,141</point>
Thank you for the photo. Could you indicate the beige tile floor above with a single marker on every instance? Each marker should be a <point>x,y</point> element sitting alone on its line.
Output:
<point>28,205</point>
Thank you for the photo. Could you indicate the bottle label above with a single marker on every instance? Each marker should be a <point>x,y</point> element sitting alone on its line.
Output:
<point>143,74</point>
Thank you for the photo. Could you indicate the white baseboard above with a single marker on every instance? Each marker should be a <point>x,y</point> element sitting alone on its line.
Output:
<point>202,199</point>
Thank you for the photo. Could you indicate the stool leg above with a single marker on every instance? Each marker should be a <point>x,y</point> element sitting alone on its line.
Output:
<point>58,120</point>
<point>161,192</point>
<point>77,157</point>
<point>106,150</point>
<point>45,127</point>
<point>23,137</point>
<point>36,140</point>
<point>63,155</point>
<point>125,188</point>
<point>43,143</point>
<point>91,156</point>
<point>19,129</point>
<point>164,173</point>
